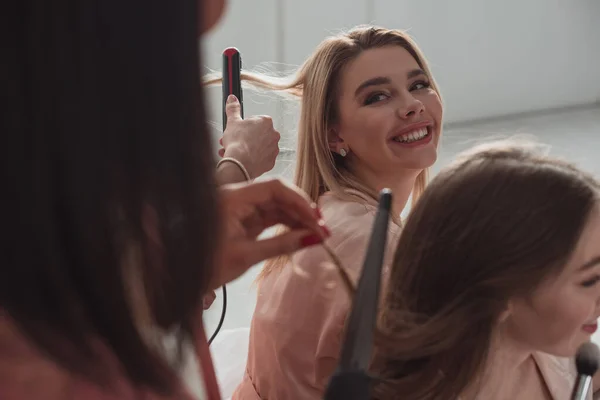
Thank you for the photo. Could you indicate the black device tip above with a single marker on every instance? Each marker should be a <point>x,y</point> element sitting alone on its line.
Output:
<point>385,199</point>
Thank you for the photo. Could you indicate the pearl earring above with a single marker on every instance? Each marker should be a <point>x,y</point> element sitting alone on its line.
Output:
<point>343,152</point>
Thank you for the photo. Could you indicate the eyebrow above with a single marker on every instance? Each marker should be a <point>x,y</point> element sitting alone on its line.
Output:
<point>593,262</point>
<point>383,80</point>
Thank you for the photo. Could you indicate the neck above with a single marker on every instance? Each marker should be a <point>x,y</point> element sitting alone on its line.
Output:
<point>507,360</point>
<point>401,184</point>
<point>508,352</point>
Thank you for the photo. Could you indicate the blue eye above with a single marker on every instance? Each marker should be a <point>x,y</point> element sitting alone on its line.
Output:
<point>377,97</point>
<point>420,85</point>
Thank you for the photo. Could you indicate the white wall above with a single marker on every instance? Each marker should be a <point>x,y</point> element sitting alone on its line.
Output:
<point>497,57</point>
<point>490,57</point>
<point>251,27</point>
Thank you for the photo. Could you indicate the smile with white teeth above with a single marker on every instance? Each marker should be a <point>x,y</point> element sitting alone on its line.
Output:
<point>412,136</point>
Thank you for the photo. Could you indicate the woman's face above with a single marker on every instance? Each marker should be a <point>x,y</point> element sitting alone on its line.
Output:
<point>389,116</point>
<point>562,314</point>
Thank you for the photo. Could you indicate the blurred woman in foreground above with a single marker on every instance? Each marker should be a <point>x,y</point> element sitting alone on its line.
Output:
<point>113,224</point>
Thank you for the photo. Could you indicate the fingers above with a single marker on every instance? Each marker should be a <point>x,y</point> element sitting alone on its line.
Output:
<point>266,121</point>
<point>233,109</point>
<point>291,201</point>
<point>249,209</point>
<point>266,217</point>
<point>285,243</point>
<point>208,299</point>
<point>298,205</point>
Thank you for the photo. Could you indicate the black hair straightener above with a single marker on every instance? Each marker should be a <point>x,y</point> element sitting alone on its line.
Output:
<point>232,79</point>
<point>232,84</point>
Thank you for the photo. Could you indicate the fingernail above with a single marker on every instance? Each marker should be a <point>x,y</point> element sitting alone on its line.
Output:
<point>310,240</point>
<point>231,99</point>
<point>324,228</point>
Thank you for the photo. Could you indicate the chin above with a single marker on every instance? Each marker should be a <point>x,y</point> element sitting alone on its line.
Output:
<point>429,161</point>
<point>424,161</point>
<point>567,349</point>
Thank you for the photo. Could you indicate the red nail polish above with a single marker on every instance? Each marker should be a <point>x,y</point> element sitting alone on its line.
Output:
<point>310,240</point>
<point>319,214</point>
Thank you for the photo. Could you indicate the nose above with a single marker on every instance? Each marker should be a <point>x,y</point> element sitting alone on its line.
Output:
<point>597,309</point>
<point>410,106</point>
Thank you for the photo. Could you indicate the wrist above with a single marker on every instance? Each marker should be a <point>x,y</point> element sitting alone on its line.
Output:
<point>230,171</point>
<point>240,154</point>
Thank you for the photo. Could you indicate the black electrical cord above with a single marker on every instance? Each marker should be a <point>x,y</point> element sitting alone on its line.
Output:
<point>223,311</point>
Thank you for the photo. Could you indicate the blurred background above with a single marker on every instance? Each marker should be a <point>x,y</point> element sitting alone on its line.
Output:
<point>504,67</point>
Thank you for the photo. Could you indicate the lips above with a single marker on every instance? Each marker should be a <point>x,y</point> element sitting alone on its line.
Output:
<point>412,136</point>
<point>410,129</point>
<point>590,328</point>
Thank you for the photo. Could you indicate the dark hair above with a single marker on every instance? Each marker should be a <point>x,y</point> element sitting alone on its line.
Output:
<point>106,120</point>
<point>494,225</point>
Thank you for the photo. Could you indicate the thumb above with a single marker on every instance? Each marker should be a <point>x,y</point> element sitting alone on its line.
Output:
<point>284,243</point>
<point>232,108</point>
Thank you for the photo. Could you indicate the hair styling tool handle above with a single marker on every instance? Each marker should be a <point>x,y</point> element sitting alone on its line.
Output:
<point>232,84</point>
<point>232,79</point>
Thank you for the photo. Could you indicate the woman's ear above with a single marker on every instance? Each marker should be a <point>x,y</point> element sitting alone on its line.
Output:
<point>336,143</point>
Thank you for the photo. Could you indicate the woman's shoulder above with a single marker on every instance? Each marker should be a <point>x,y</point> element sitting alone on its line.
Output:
<point>350,222</point>
<point>350,216</point>
<point>350,204</point>
<point>27,373</point>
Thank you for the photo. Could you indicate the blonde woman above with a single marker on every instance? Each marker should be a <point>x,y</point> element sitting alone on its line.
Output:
<point>371,117</point>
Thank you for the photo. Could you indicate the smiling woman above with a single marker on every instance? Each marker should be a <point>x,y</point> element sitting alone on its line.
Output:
<point>389,120</point>
<point>371,118</point>
<point>358,91</point>
<point>410,134</point>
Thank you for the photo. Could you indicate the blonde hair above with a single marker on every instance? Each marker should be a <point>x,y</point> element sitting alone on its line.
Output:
<point>318,170</point>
